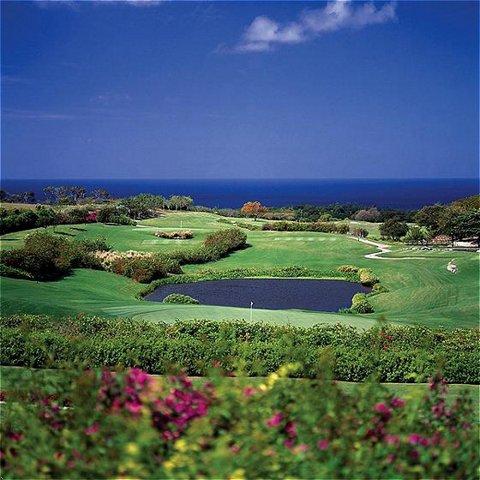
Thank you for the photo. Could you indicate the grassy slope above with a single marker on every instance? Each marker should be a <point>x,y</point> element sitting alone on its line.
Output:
<point>421,290</point>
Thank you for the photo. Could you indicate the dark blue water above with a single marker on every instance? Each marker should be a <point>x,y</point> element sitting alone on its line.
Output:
<point>269,293</point>
<point>233,193</point>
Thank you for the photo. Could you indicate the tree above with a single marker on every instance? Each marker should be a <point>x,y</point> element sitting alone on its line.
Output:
<point>370,215</point>
<point>359,232</point>
<point>179,202</point>
<point>143,205</point>
<point>393,229</point>
<point>465,226</point>
<point>430,217</point>
<point>416,235</point>
<point>3,195</point>
<point>100,194</point>
<point>252,209</point>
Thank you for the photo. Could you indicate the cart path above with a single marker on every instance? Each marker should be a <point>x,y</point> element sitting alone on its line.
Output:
<point>384,248</point>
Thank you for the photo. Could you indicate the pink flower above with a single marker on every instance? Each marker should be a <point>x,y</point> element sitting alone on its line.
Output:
<point>274,421</point>
<point>249,391</point>
<point>397,402</point>
<point>15,436</point>
<point>92,429</point>
<point>303,447</point>
<point>291,429</point>
<point>133,407</point>
<point>235,448</point>
<point>391,439</point>
<point>323,444</point>
<point>289,442</point>
<point>416,439</point>
<point>390,458</point>
<point>383,410</point>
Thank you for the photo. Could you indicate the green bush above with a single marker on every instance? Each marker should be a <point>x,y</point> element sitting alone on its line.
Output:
<point>367,277</point>
<point>391,353</point>
<point>348,268</point>
<point>179,298</point>
<point>325,227</point>
<point>361,304</point>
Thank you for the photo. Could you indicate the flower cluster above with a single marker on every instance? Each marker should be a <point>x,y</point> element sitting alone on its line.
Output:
<point>108,258</point>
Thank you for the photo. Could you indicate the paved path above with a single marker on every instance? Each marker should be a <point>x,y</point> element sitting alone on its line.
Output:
<point>384,248</point>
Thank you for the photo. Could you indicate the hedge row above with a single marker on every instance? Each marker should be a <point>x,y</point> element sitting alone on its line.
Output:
<point>391,353</point>
<point>325,227</point>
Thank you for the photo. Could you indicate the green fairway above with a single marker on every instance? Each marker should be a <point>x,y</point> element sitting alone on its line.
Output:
<point>422,291</point>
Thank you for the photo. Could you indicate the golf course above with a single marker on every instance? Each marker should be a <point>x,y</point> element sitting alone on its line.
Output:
<point>420,288</point>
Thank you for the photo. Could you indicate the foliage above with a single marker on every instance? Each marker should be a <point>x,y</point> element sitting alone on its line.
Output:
<point>142,205</point>
<point>326,227</point>
<point>367,277</point>
<point>370,215</point>
<point>392,353</point>
<point>416,235</point>
<point>116,214</point>
<point>44,256</point>
<point>361,304</point>
<point>47,257</point>
<point>179,298</point>
<point>252,209</point>
<point>393,229</point>
<point>348,268</point>
<point>179,235</point>
<point>172,428</point>
<point>179,202</point>
<point>359,232</point>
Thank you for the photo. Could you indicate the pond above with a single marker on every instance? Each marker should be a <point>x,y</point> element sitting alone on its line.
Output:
<point>268,293</point>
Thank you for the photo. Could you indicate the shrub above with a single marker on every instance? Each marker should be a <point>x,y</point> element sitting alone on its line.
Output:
<point>223,242</point>
<point>12,272</point>
<point>179,298</point>
<point>231,428</point>
<point>325,227</point>
<point>348,268</point>
<point>361,304</point>
<point>44,256</point>
<point>195,346</point>
<point>145,268</point>
<point>367,277</point>
<point>379,288</point>
<point>180,235</point>
<point>393,229</point>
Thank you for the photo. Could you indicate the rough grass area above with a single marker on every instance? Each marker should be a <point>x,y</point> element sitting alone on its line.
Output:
<point>421,290</point>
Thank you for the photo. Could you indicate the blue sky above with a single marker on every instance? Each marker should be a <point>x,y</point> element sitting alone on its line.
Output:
<point>149,89</point>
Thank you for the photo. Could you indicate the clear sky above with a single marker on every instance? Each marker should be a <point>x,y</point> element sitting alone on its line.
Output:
<point>151,89</point>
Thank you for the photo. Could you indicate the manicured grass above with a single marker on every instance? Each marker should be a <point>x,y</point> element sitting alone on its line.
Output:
<point>422,291</point>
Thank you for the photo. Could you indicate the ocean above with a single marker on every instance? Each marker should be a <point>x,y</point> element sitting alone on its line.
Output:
<point>404,194</point>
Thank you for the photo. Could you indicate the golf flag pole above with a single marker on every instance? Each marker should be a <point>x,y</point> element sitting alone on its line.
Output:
<point>251,310</point>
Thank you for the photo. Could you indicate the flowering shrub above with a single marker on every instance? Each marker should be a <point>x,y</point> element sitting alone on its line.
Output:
<point>180,235</point>
<point>130,425</point>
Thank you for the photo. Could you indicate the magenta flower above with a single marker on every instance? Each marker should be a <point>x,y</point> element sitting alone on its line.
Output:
<point>92,429</point>
<point>397,402</point>
<point>291,429</point>
<point>382,409</point>
<point>323,444</point>
<point>249,391</point>
<point>391,439</point>
<point>416,439</point>
<point>274,421</point>
<point>289,443</point>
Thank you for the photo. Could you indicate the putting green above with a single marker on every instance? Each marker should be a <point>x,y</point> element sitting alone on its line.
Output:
<point>422,291</point>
